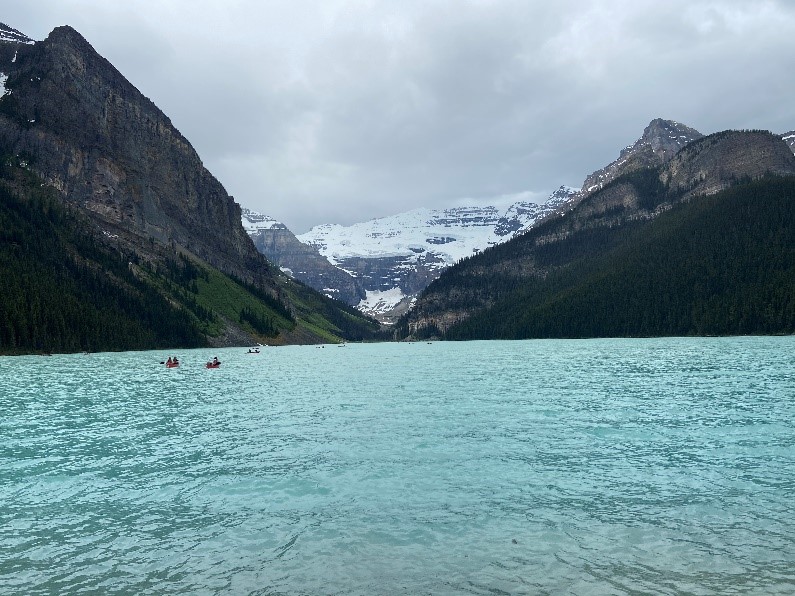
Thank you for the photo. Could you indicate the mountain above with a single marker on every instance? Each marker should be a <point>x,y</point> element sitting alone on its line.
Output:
<point>694,245</point>
<point>300,261</point>
<point>395,257</point>
<point>789,138</point>
<point>660,141</point>
<point>109,150</point>
<point>381,265</point>
<point>523,215</point>
<point>70,122</point>
<point>9,34</point>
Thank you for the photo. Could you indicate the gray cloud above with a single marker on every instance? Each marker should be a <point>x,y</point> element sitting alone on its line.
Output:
<point>350,109</point>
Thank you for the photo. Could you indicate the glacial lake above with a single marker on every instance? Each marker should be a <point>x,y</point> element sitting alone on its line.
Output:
<point>633,466</point>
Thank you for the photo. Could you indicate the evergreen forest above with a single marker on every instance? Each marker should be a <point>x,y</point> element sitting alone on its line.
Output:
<point>716,265</point>
<point>68,288</point>
<point>63,292</point>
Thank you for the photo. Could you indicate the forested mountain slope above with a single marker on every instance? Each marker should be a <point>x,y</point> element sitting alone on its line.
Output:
<point>66,288</point>
<point>631,258</point>
<point>81,144</point>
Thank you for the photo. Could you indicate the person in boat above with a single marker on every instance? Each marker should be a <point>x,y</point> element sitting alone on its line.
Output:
<point>169,362</point>
<point>215,361</point>
<point>176,362</point>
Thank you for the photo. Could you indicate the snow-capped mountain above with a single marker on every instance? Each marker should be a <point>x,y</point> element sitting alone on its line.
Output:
<point>428,237</point>
<point>253,222</point>
<point>381,265</point>
<point>521,216</point>
<point>396,257</point>
<point>300,261</point>
<point>10,34</point>
<point>450,234</point>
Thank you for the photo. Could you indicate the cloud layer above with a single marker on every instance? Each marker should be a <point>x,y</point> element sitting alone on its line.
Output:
<point>344,110</point>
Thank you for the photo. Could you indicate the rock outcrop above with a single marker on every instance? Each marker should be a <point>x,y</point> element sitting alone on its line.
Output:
<point>92,135</point>
<point>713,163</point>
<point>301,261</point>
<point>660,141</point>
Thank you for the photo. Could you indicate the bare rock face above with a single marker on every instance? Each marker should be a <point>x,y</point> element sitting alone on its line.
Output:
<point>301,261</point>
<point>93,136</point>
<point>714,163</point>
<point>704,167</point>
<point>660,141</point>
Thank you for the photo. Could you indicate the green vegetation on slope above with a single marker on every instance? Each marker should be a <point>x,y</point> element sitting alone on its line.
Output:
<point>63,292</point>
<point>214,299</point>
<point>330,319</point>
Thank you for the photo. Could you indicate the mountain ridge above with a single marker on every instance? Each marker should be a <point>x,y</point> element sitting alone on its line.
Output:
<point>71,122</point>
<point>383,278</point>
<point>660,140</point>
<point>380,265</point>
<point>704,167</point>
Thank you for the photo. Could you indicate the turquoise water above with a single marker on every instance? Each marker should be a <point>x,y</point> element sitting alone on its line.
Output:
<point>661,466</point>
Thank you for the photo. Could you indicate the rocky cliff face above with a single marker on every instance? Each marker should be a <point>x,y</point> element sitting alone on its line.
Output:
<point>92,135</point>
<point>660,141</point>
<point>704,167</point>
<point>715,162</point>
<point>301,261</point>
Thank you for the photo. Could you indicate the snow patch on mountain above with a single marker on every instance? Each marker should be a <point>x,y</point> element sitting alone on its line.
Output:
<point>789,138</point>
<point>523,215</point>
<point>9,34</point>
<point>449,234</point>
<point>253,221</point>
<point>379,302</point>
<point>392,259</point>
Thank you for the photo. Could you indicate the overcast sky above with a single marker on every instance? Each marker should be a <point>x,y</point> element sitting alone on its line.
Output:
<point>338,111</point>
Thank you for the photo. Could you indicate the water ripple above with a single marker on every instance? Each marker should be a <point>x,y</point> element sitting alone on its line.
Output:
<point>549,467</point>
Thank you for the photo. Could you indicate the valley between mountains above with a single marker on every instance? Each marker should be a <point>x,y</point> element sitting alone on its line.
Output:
<point>382,266</point>
<point>114,236</point>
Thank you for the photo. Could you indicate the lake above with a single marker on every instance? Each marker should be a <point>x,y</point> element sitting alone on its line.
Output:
<point>628,466</point>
